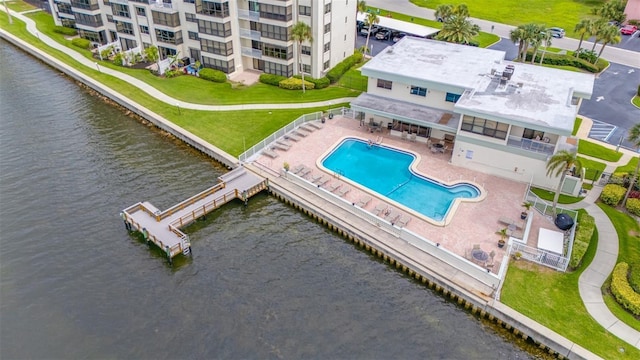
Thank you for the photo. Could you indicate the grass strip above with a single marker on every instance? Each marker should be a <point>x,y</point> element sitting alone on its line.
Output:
<point>589,148</point>
<point>548,196</point>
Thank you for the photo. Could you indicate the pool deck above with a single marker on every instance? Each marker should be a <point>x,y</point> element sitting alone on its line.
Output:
<point>471,224</point>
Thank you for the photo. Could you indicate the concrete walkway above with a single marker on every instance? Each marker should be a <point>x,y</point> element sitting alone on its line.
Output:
<point>591,279</point>
<point>31,27</point>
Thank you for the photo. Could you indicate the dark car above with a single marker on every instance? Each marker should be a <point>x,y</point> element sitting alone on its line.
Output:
<point>383,34</point>
<point>398,36</point>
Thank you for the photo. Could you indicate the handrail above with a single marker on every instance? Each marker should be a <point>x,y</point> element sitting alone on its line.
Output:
<point>190,201</point>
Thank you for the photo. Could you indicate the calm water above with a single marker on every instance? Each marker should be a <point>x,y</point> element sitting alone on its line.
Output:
<point>264,282</point>
<point>387,172</point>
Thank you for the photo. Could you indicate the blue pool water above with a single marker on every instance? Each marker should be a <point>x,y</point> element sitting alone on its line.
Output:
<point>387,171</point>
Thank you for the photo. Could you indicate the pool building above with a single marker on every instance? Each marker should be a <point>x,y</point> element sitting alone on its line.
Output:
<point>485,113</point>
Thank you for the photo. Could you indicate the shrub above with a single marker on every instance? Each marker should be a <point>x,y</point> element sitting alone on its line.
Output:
<point>612,194</point>
<point>169,73</point>
<point>212,75</point>
<point>65,31</point>
<point>81,43</point>
<point>584,233</point>
<point>622,290</point>
<point>566,60</point>
<point>634,277</point>
<point>633,206</point>
<point>334,74</point>
<point>321,83</point>
<point>295,84</point>
<point>118,59</point>
<point>271,79</point>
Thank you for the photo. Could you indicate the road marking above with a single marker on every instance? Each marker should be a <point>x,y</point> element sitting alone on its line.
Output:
<point>599,98</point>
<point>601,130</point>
<point>631,71</point>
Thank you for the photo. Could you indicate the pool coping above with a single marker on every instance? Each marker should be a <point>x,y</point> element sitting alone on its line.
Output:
<point>413,167</point>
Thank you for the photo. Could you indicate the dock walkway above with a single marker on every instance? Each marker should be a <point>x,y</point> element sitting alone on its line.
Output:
<point>163,227</point>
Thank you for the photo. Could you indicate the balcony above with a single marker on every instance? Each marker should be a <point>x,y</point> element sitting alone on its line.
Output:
<point>248,15</point>
<point>122,2</point>
<point>249,34</point>
<point>531,145</point>
<point>254,53</point>
<point>163,7</point>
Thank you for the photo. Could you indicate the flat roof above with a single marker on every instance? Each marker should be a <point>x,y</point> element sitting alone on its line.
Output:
<point>402,26</point>
<point>534,95</point>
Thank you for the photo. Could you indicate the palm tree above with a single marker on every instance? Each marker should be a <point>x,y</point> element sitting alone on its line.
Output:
<point>596,29</point>
<point>371,19</point>
<point>634,137</point>
<point>547,43</point>
<point>536,40</point>
<point>443,12</point>
<point>301,32</point>
<point>582,28</point>
<point>458,29</point>
<point>560,164</point>
<point>361,7</point>
<point>517,37</point>
<point>608,35</point>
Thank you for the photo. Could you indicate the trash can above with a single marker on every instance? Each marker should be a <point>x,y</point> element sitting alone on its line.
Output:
<point>330,116</point>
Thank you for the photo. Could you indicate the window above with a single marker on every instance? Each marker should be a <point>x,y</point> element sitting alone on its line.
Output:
<point>169,36</point>
<point>189,1</point>
<point>327,47</point>
<point>327,28</point>
<point>452,97</point>
<point>278,52</point>
<point>271,31</point>
<point>141,11</point>
<point>222,65</point>
<point>385,84</point>
<point>110,18</point>
<point>165,19</point>
<point>345,19</point>
<point>216,29</point>
<point>193,35</point>
<point>144,29</point>
<point>275,12</point>
<point>98,37</point>
<point>213,8</point>
<point>190,17</point>
<point>327,8</point>
<point>304,10</point>
<point>278,69</point>
<point>90,20</point>
<point>306,68</point>
<point>128,44</point>
<point>64,8</point>
<point>85,4</point>
<point>485,127</point>
<point>120,10</point>
<point>326,65</point>
<point>124,27</point>
<point>306,50</point>
<point>216,47</point>
<point>416,90</point>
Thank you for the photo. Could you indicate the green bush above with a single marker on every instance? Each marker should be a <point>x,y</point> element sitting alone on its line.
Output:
<point>584,233</point>
<point>65,31</point>
<point>334,74</point>
<point>118,59</point>
<point>612,194</point>
<point>638,93</point>
<point>634,277</point>
<point>622,290</point>
<point>271,79</point>
<point>320,83</point>
<point>633,206</point>
<point>565,60</point>
<point>212,75</point>
<point>295,84</point>
<point>81,43</point>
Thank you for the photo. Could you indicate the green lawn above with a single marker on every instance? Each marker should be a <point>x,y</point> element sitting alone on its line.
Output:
<point>598,151</point>
<point>194,90</point>
<point>18,6</point>
<point>562,13</point>
<point>483,39</point>
<point>552,299</point>
<point>628,231</point>
<point>576,126</point>
<point>593,168</point>
<point>353,79</point>
<point>548,196</point>
<point>231,131</point>
<point>630,167</point>
<point>636,101</point>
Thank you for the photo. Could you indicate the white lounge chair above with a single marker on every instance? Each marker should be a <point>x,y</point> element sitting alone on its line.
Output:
<point>334,186</point>
<point>403,221</point>
<point>380,208</point>
<point>269,153</point>
<point>297,168</point>
<point>343,190</point>
<point>363,201</point>
<point>392,216</point>
<point>316,177</point>
<point>323,180</point>
<point>292,136</point>
<point>315,124</point>
<point>281,147</point>
<point>307,128</point>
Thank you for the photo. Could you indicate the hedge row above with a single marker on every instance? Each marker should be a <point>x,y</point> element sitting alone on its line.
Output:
<point>81,43</point>
<point>584,233</point>
<point>271,79</point>
<point>622,290</point>
<point>295,84</point>
<point>334,74</point>
<point>65,31</point>
<point>634,277</point>
<point>321,83</point>
<point>565,60</point>
<point>633,206</point>
<point>212,75</point>
<point>612,194</point>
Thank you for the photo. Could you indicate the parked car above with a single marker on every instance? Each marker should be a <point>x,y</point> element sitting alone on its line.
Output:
<point>383,34</point>
<point>365,30</point>
<point>556,32</point>
<point>399,36</point>
<point>628,29</point>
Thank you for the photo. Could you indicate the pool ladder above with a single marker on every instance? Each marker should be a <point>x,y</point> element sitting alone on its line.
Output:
<point>400,185</point>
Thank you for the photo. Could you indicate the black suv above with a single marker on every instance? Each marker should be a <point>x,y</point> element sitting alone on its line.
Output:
<point>383,34</point>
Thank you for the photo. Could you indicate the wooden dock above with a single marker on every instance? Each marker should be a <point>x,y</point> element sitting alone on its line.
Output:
<point>163,227</point>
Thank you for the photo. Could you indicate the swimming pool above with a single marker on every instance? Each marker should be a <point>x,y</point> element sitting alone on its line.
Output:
<point>388,172</point>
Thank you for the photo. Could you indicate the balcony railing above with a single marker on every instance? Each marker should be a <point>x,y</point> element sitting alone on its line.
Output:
<point>122,2</point>
<point>254,53</point>
<point>248,15</point>
<point>249,34</point>
<point>531,145</point>
<point>164,7</point>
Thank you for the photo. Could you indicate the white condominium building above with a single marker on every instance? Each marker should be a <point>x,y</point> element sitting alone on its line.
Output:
<point>231,36</point>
